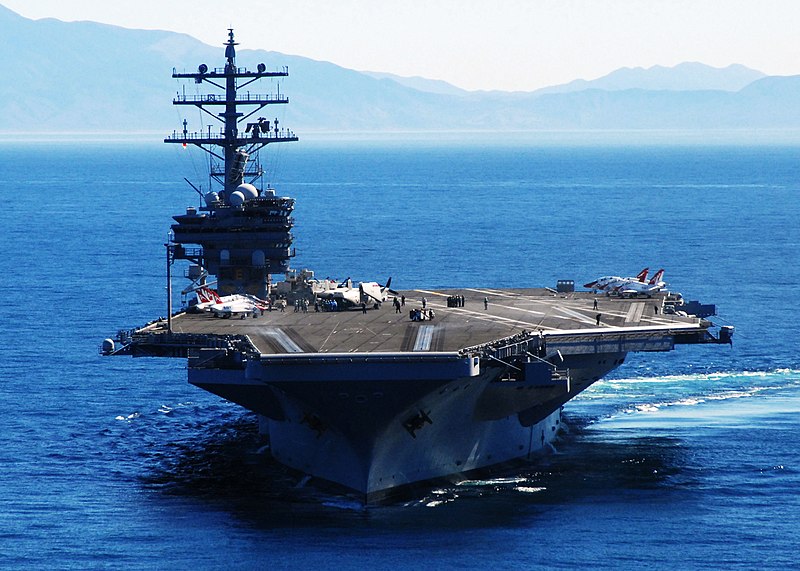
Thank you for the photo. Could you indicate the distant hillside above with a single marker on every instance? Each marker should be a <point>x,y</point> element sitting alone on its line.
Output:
<point>690,76</point>
<point>767,103</point>
<point>84,76</point>
<point>420,83</point>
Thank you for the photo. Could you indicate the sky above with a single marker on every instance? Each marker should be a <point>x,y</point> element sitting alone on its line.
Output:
<point>510,45</point>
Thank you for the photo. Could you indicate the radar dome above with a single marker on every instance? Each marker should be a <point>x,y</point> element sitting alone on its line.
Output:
<point>212,197</point>
<point>236,198</point>
<point>248,190</point>
<point>108,346</point>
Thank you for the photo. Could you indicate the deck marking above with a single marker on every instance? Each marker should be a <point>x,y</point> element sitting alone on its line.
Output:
<point>329,335</point>
<point>554,305</point>
<point>284,340</point>
<point>481,291</point>
<point>634,314</point>
<point>493,317</point>
<point>483,315</point>
<point>425,291</point>
<point>574,314</point>
<point>531,311</point>
<point>424,338</point>
<point>477,314</point>
<point>491,292</point>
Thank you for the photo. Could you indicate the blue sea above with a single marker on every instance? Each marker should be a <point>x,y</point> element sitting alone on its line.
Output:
<point>681,460</point>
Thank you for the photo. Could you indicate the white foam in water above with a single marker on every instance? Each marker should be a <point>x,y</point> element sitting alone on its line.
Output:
<point>530,489</point>
<point>645,408</point>
<point>435,503</point>
<point>737,394</point>
<point>688,402</point>
<point>716,376</point>
<point>491,482</point>
<point>345,505</point>
<point>705,383</point>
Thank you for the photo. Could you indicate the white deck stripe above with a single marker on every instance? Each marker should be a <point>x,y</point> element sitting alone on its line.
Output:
<point>574,314</point>
<point>634,314</point>
<point>284,340</point>
<point>493,292</point>
<point>424,338</point>
<point>489,316</point>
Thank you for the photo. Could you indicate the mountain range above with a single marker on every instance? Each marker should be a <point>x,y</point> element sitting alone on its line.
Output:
<point>90,77</point>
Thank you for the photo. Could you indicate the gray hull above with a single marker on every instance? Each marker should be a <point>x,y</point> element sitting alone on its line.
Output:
<point>380,423</point>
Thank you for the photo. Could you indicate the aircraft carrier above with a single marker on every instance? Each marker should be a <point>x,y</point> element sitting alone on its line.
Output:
<point>389,390</point>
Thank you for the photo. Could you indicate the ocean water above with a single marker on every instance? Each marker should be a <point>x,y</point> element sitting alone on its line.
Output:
<point>681,460</point>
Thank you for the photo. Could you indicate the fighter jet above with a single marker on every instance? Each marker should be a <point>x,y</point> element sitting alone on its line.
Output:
<point>629,286</point>
<point>229,305</point>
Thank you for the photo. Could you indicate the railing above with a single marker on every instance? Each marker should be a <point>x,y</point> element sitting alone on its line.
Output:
<point>240,98</point>
<point>504,348</point>
<point>221,71</point>
<point>281,134</point>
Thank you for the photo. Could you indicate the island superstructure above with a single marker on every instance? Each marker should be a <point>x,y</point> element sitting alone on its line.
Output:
<point>379,393</point>
<point>245,233</point>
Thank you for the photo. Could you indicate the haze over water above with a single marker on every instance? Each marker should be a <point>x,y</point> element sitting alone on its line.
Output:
<point>686,459</point>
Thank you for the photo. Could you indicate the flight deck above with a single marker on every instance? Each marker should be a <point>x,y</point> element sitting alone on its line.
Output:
<point>486,316</point>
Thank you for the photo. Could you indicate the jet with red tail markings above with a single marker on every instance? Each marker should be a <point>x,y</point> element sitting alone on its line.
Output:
<point>629,286</point>
<point>228,305</point>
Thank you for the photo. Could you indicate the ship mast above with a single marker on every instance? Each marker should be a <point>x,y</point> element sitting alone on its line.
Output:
<point>233,142</point>
<point>245,233</point>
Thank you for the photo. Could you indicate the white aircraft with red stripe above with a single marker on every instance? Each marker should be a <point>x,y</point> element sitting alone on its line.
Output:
<point>630,286</point>
<point>228,305</point>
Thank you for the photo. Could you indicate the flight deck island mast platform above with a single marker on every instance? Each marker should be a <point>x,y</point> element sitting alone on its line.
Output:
<point>244,233</point>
